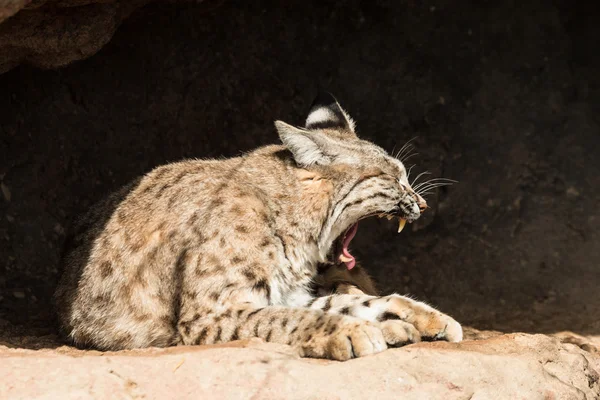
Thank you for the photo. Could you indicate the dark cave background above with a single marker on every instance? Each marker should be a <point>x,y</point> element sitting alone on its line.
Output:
<point>502,96</point>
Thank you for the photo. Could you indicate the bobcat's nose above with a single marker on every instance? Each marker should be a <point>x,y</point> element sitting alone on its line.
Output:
<point>417,197</point>
<point>420,202</point>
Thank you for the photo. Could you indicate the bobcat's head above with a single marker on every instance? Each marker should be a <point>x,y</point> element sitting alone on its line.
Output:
<point>366,180</point>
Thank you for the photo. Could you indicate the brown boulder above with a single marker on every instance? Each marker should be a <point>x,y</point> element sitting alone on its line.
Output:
<point>55,34</point>
<point>514,366</point>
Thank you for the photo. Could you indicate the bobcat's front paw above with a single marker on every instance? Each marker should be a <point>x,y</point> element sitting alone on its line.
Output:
<point>352,338</point>
<point>399,333</point>
<point>428,322</point>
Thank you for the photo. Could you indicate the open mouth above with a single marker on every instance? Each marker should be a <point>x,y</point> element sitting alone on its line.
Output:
<point>343,255</point>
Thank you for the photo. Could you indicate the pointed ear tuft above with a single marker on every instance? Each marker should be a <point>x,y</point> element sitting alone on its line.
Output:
<point>326,113</point>
<point>303,145</point>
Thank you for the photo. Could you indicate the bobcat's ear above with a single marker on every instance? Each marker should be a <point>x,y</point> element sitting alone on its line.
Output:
<point>307,147</point>
<point>326,113</point>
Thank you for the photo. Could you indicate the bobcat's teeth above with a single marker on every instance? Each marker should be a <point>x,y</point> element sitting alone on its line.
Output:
<point>401,224</point>
<point>389,217</point>
<point>343,258</point>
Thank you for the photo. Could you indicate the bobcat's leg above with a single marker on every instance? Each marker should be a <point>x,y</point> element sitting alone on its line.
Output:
<point>313,332</point>
<point>334,281</point>
<point>421,321</point>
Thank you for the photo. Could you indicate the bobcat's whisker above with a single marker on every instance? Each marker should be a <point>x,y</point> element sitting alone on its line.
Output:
<point>408,172</point>
<point>441,183</point>
<point>412,184</point>
<point>426,188</point>
<point>434,180</point>
<point>409,156</point>
<point>403,151</point>
<point>405,148</point>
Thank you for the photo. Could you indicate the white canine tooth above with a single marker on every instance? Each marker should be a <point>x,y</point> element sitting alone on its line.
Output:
<point>401,225</point>
<point>343,258</point>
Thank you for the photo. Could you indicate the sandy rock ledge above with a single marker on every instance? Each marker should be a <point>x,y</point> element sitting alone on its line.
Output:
<point>513,366</point>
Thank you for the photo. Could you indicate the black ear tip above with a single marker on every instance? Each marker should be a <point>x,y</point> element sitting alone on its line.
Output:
<point>323,99</point>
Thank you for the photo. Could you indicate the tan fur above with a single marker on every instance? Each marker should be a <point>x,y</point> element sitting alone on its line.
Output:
<point>207,251</point>
<point>334,278</point>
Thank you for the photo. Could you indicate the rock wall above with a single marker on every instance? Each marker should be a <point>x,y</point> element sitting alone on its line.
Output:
<point>502,96</point>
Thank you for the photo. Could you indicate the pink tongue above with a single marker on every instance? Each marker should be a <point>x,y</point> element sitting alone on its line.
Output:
<point>347,239</point>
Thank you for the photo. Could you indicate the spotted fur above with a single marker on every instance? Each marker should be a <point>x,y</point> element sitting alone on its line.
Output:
<point>210,251</point>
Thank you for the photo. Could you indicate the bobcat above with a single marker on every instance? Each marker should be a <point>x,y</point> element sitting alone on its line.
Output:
<point>209,251</point>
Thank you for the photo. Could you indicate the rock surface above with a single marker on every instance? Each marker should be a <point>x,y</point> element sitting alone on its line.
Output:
<point>514,366</point>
